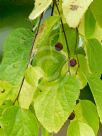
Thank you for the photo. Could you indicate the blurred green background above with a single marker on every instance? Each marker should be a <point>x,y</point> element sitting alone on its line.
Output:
<point>13,14</point>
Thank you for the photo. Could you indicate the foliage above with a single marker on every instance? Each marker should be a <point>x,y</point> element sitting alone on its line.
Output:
<point>52,72</point>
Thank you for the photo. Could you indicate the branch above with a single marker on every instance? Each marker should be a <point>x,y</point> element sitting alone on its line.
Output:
<point>77,41</point>
<point>53,6</point>
<point>31,54</point>
<point>68,51</point>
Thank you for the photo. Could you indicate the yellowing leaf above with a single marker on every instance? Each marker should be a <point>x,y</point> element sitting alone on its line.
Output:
<point>32,76</point>
<point>56,102</point>
<point>74,10</point>
<point>40,6</point>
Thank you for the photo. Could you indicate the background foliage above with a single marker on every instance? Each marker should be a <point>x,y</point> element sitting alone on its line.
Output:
<point>50,67</point>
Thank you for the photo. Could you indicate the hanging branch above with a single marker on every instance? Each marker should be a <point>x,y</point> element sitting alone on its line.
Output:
<point>31,54</point>
<point>68,51</point>
<point>53,6</point>
<point>77,42</point>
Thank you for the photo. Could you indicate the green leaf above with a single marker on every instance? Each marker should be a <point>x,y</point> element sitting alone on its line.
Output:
<point>83,71</point>
<point>80,71</point>
<point>95,84</point>
<point>96,8</point>
<point>94,54</point>
<point>48,31</point>
<point>32,76</point>
<point>86,112</point>
<point>5,105</point>
<point>47,57</point>
<point>77,128</point>
<point>40,6</point>
<point>74,11</point>
<point>56,102</point>
<point>5,91</point>
<point>18,122</point>
<point>98,33</point>
<point>51,62</point>
<point>16,55</point>
<point>71,38</point>
<point>90,24</point>
<point>1,132</point>
<point>45,133</point>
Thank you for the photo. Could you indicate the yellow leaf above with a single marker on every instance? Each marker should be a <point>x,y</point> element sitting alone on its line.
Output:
<point>74,10</point>
<point>32,76</point>
<point>40,6</point>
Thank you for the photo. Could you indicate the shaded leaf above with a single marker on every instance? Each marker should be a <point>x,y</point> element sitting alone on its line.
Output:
<point>95,84</point>
<point>83,71</point>
<point>47,57</point>
<point>71,39</point>
<point>96,8</point>
<point>16,55</point>
<point>94,54</point>
<point>90,24</point>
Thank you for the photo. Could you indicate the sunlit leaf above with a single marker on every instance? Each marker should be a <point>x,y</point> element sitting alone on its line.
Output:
<point>32,76</point>
<point>83,111</point>
<point>74,10</point>
<point>56,102</point>
<point>40,6</point>
<point>77,128</point>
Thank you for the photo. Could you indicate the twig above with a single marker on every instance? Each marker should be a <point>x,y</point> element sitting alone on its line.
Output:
<point>77,41</point>
<point>31,54</point>
<point>52,9</point>
<point>68,51</point>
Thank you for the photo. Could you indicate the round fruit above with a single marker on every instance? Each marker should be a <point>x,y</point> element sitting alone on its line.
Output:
<point>58,46</point>
<point>72,62</point>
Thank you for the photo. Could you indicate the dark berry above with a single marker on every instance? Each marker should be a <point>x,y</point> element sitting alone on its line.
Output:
<point>72,62</point>
<point>72,116</point>
<point>58,46</point>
